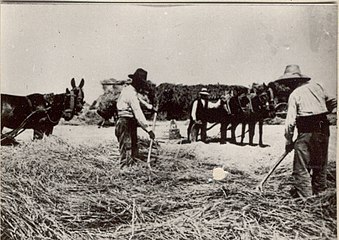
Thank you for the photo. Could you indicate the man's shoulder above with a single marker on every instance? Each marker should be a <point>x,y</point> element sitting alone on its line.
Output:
<point>128,89</point>
<point>309,86</point>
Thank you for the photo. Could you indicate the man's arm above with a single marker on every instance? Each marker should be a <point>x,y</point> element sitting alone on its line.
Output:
<point>194,110</point>
<point>145,103</point>
<point>331,102</point>
<point>138,114</point>
<point>290,120</point>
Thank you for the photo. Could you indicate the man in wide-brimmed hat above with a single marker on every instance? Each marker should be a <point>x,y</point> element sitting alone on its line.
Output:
<point>308,105</point>
<point>130,116</point>
<point>198,117</point>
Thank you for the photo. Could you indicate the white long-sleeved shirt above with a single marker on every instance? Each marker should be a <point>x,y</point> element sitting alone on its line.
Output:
<point>128,105</point>
<point>306,100</point>
<point>204,101</point>
<point>144,102</point>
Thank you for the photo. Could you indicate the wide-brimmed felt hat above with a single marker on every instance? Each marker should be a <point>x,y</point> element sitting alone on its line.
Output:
<point>139,75</point>
<point>204,91</point>
<point>292,73</point>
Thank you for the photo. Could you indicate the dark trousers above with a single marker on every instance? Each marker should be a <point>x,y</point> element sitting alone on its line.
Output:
<point>194,129</point>
<point>310,157</point>
<point>126,132</point>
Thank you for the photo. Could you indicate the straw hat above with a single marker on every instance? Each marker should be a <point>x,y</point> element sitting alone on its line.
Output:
<point>204,91</point>
<point>292,72</point>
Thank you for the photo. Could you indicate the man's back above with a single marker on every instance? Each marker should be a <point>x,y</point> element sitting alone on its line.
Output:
<point>310,99</point>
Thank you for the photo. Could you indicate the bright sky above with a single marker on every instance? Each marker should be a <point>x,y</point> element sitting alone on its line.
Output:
<point>43,46</point>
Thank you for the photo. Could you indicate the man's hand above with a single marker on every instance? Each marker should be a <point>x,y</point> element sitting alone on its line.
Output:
<point>151,134</point>
<point>198,121</point>
<point>155,109</point>
<point>289,147</point>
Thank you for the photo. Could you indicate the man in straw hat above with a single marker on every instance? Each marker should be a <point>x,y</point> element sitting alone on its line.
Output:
<point>308,105</point>
<point>198,117</point>
<point>130,116</point>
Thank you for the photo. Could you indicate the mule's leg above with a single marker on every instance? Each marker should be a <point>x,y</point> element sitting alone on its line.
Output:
<point>49,130</point>
<point>234,125</point>
<point>243,132</point>
<point>251,128</point>
<point>7,140</point>
<point>261,122</point>
<point>223,132</point>
<point>38,134</point>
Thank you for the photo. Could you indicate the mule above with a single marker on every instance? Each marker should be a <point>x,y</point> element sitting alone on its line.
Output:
<point>40,112</point>
<point>233,118</point>
<point>75,106</point>
<point>257,106</point>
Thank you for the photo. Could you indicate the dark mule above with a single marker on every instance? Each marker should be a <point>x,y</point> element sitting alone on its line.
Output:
<point>72,107</point>
<point>257,106</point>
<point>39,112</point>
<point>233,119</point>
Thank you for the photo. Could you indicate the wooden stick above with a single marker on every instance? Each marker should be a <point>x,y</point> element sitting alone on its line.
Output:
<point>151,143</point>
<point>260,186</point>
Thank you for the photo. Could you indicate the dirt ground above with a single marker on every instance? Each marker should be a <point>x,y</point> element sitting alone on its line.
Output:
<point>244,158</point>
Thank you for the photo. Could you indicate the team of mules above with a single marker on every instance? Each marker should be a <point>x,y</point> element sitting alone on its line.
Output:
<point>40,112</point>
<point>242,108</point>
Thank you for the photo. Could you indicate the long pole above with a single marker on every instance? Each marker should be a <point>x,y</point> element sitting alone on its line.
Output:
<point>151,143</point>
<point>260,186</point>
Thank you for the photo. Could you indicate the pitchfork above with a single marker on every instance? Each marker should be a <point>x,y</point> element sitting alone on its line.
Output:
<point>261,184</point>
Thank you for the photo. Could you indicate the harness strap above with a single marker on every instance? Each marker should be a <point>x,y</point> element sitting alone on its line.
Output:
<point>71,104</point>
<point>250,103</point>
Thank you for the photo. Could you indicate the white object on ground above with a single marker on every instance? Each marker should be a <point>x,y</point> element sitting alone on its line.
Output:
<point>219,174</point>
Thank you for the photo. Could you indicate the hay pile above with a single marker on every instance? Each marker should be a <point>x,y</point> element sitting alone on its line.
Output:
<point>54,190</point>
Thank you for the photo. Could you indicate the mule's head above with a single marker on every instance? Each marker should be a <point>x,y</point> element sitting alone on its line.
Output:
<point>79,96</point>
<point>266,98</point>
<point>69,105</point>
<point>73,100</point>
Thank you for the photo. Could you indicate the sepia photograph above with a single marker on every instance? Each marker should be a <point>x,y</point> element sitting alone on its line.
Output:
<point>169,121</point>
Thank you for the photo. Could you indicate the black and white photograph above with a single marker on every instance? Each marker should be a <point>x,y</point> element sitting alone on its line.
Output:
<point>172,121</point>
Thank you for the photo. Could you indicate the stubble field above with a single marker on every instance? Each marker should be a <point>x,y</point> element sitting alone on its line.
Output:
<point>69,186</point>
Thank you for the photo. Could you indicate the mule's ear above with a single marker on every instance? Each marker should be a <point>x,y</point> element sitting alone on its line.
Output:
<point>67,90</point>
<point>73,83</point>
<point>82,83</point>
<point>264,85</point>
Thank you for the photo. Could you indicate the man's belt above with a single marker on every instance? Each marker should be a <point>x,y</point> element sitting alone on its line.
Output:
<point>313,123</point>
<point>125,113</point>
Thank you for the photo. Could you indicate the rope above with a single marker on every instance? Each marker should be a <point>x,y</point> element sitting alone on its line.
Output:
<point>49,118</point>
